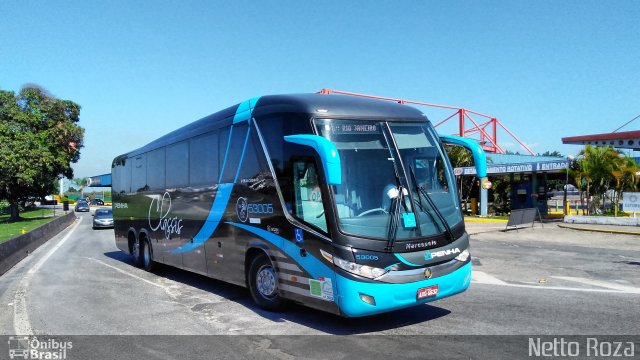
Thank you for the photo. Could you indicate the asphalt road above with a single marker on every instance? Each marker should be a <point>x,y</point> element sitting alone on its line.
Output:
<point>541,281</point>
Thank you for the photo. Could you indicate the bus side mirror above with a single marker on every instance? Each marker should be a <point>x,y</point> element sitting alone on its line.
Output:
<point>326,150</point>
<point>479,157</point>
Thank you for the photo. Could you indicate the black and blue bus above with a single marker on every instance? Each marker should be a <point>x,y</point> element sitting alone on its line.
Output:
<point>343,204</point>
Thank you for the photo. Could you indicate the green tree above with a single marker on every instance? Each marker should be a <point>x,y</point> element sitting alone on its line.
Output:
<point>460,157</point>
<point>579,177</point>
<point>598,165</point>
<point>554,153</point>
<point>626,180</point>
<point>82,183</point>
<point>39,139</point>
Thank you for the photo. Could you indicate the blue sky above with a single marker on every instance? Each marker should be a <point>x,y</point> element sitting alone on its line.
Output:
<point>140,69</point>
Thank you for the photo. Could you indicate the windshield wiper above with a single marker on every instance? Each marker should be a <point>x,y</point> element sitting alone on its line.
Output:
<point>394,212</point>
<point>423,192</point>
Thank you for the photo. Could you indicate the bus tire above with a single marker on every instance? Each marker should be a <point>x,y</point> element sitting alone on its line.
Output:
<point>136,251</point>
<point>263,284</point>
<point>146,255</point>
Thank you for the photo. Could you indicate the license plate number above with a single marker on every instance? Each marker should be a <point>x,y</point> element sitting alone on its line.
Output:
<point>427,292</point>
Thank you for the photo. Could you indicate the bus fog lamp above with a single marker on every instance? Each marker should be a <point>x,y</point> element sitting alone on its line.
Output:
<point>368,299</point>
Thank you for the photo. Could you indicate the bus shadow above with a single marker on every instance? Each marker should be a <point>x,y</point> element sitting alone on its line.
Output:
<point>336,325</point>
<point>296,313</point>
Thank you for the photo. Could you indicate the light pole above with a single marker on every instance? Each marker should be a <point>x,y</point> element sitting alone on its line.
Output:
<point>566,185</point>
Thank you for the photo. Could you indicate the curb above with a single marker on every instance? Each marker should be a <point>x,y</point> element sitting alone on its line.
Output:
<point>565,226</point>
<point>481,220</point>
<point>16,249</point>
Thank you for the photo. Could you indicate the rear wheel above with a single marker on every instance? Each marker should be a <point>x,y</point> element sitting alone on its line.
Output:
<point>136,252</point>
<point>263,284</point>
<point>146,254</point>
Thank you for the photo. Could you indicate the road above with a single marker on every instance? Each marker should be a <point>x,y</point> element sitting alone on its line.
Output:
<point>541,281</point>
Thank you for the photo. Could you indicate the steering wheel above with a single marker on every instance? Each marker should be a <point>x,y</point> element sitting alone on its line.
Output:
<point>372,211</point>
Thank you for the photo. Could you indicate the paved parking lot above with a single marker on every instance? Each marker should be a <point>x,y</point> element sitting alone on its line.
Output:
<point>533,281</point>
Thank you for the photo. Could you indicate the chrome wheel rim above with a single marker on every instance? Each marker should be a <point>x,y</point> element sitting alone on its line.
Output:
<point>266,281</point>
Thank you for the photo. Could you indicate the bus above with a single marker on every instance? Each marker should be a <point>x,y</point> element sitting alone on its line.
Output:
<point>342,204</point>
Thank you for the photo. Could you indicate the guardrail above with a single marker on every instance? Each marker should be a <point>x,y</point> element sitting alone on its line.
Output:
<point>16,249</point>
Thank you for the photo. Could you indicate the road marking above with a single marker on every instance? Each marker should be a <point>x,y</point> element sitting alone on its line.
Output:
<point>128,274</point>
<point>481,278</point>
<point>484,278</point>
<point>172,291</point>
<point>21,324</point>
<point>600,283</point>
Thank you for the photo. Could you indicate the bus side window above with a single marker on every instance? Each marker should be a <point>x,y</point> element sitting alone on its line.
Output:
<point>308,198</point>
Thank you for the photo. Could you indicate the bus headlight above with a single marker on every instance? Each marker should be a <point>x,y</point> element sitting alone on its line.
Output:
<point>463,256</point>
<point>362,270</point>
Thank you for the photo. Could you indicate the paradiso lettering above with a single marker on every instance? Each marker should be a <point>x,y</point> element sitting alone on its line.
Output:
<point>159,217</point>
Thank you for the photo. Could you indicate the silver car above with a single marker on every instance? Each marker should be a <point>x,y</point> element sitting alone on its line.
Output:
<point>103,218</point>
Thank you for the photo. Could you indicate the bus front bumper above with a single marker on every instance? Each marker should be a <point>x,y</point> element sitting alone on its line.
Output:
<point>355,297</point>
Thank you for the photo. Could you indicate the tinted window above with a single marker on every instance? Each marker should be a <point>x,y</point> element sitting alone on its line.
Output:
<point>307,204</point>
<point>121,174</point>
<point>156,169</point>
<point>252,165</point>
<point>177,166</point>
<point>223,141</point>
<point>139,173</point>
<point>203,159</point>
<point>236,146</point>
<point>295,167</point>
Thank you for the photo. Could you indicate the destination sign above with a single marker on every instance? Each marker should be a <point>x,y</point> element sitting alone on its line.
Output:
<point>347,128</point>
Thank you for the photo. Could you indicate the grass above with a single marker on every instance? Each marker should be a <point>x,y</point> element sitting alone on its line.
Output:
<point>30,220</point>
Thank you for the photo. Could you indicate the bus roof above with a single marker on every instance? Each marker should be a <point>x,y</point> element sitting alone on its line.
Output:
<point>335,105</point>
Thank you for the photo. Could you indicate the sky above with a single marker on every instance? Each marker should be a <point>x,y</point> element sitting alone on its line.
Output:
<point>140,69</point>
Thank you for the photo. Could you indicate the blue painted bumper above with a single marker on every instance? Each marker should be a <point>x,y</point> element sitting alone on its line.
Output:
<point>390,297</point>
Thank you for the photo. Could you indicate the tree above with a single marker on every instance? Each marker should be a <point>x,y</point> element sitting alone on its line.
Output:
<point>579,179</point>
<point>460,157</point>
<point>603,169</point>
<point>39,139</point>
<point>554,153</point>
<point>624,172</point>
<point>82,183</point>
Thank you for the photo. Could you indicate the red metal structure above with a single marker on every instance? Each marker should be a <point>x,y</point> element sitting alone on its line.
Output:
<point>485,130</point>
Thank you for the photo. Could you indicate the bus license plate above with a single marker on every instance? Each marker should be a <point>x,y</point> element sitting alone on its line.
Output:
<point>429,291</point>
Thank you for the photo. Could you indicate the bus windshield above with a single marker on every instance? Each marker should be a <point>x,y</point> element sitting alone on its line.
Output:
<point>377,158</point>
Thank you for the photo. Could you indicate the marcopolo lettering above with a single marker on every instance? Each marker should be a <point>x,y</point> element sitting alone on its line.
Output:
<point>421,245</point>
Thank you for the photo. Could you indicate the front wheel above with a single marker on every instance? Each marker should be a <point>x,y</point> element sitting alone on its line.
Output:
<point>263,284</point>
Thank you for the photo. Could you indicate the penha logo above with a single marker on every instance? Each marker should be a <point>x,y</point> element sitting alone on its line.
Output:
<point>241,209</point>
<point>427,255</point>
